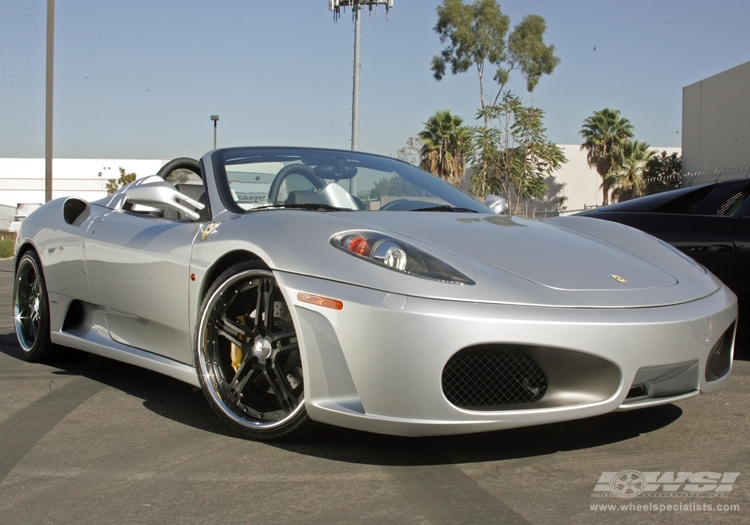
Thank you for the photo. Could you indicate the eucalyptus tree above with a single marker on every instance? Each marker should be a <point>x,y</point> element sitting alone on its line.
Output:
<point>445,146</point>
<point>626,174</point>
<point>603,132</point>
<point>476,36</point>
<point>411,152</point>
<point>115,184</point>
<point>513,157</point>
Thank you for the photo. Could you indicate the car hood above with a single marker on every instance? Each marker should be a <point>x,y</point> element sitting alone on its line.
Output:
<point>566,262</point>
<point>544,254</point>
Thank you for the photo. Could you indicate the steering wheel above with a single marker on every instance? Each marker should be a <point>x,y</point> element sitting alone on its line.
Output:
<point>299,169</point>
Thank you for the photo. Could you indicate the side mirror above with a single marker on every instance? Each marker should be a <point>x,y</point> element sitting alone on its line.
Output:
<point>497,204</point>
<point>156,192</point>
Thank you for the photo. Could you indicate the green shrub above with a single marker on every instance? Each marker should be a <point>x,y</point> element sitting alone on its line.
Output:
<point>6,248</point>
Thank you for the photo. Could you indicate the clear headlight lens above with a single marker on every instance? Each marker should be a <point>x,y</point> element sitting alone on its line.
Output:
<point>390,254</point>
<point>397,255</point>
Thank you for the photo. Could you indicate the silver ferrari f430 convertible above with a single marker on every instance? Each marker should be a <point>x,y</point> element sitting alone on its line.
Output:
<point>296,285</point>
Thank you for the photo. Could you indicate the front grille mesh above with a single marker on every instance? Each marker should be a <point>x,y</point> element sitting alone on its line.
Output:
<point>488,377</point>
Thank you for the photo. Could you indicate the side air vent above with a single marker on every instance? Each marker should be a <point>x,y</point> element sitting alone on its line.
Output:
<point>73,209</point>
<point>74,316</point>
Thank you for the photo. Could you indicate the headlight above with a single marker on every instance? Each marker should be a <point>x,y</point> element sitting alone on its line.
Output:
<point>397,255</point>
<point>390,254</point>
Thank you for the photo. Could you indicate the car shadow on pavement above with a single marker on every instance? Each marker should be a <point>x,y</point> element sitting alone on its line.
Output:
<point>186,405</point>
<point>362,447</point>
<point>163,395</point>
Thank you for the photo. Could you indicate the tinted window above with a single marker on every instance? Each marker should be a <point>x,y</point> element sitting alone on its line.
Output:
<point>719,199</point>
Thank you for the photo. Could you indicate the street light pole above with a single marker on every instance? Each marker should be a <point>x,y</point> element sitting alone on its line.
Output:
<point>49,87</point>
<point>355,90</point>
<point>215,118</point>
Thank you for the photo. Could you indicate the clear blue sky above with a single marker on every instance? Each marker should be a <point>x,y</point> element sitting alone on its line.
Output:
<point>140,78</point>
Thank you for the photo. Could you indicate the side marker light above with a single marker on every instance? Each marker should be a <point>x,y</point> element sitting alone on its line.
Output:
<point>318,300</point>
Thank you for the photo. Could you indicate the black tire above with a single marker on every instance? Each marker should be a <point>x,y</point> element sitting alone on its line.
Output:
<point>31,314</point>
<point>250,372</point>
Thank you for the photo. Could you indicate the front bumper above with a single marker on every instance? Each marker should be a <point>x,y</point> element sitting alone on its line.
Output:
<point>377,364</point>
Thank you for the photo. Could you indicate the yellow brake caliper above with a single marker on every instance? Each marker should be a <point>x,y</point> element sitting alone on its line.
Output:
<point>235,352</point>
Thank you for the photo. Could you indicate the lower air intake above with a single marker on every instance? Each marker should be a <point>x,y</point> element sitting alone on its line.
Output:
<point>490,377</point>
<point>720,359</point>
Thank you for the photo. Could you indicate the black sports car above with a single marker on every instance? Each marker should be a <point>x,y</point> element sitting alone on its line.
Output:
<point>710,223</point>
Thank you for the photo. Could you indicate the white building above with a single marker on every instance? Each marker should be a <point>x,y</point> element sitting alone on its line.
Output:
<point>576,182</point>
<point>22,180</point>
<point>716,127</point>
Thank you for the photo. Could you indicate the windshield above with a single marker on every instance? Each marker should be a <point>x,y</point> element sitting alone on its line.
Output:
<point>256,179</point>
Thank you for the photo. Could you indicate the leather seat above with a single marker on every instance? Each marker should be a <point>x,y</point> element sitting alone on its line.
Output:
<point>304,197</point>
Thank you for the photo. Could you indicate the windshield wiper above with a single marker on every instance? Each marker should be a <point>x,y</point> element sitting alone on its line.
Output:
<point>302,206</point>
<point>446,207</point>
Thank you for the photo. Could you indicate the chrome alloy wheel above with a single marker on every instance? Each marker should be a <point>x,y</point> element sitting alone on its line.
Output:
<point>248,356</point>
<point>31,314</point>
<point>28,304</point>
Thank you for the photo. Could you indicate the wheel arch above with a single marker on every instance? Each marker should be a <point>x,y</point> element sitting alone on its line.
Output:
<point>25,246</point>
<point>226,261</point>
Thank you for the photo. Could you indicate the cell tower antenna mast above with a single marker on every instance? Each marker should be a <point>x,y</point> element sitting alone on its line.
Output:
<point>356,5</point>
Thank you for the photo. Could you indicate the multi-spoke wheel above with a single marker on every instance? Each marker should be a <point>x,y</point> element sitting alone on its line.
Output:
<point>31,310</point>
<point>247,354</point>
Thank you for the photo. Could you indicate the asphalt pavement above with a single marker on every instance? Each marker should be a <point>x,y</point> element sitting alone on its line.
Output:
<point>101,442</point>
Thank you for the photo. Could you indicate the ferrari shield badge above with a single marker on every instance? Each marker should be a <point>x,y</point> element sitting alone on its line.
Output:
<point>619,279</point>
<point>207,229</point>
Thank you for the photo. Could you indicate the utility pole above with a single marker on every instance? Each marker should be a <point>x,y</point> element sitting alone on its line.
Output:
<point>50,90</point>
<point>356,5</point>
<point>355,77</point>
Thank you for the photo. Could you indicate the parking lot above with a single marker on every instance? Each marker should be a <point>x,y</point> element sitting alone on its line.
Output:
<point>103,442</point>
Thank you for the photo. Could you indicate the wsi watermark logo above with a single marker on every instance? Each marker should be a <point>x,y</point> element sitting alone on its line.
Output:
<point>634,483</point>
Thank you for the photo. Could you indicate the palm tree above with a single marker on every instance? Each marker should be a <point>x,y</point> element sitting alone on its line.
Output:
<point>602,133</point>
<point>629,161</point>
<point>445,147</point>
